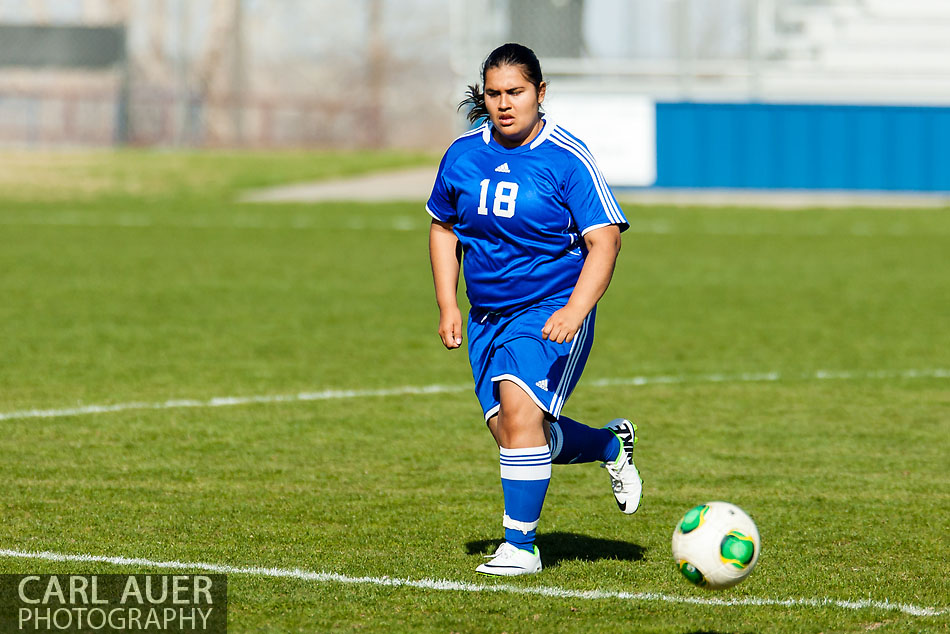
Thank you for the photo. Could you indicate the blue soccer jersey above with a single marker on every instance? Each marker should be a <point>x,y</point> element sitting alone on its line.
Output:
<point>520,214</point>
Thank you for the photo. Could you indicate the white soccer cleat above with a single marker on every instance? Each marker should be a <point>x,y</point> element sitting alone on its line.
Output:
<point>510,560</point>
<point>624,477</point>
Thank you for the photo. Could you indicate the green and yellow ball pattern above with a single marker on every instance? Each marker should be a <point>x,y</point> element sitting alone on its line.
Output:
<point>737,549</point>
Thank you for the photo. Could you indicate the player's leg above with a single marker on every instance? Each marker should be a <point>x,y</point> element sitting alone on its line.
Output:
<point>525,461</point>
<point>573,442</point>
<point>520,422</point>
<point>624,477</point>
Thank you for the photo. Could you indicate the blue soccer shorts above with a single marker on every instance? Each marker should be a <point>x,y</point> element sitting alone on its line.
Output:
<point>510,348</point>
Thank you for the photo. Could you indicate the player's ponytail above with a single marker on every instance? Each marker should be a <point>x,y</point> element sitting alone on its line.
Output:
<point>475,101</point>
<point>510,54</point>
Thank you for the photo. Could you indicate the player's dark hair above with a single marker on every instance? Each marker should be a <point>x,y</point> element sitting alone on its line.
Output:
<point>510,54</point>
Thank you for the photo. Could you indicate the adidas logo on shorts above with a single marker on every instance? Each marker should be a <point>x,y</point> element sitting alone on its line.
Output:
<point>543,384</point>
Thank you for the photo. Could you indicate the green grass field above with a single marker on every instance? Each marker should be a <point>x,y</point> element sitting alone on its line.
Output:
<point>794,363</point>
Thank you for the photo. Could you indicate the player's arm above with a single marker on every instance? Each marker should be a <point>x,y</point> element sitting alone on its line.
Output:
<point>445,254</point>
<point>603,245</point>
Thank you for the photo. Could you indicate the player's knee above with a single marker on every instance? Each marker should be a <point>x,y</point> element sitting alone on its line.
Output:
<point>514,425</point>
<point>510,422</point>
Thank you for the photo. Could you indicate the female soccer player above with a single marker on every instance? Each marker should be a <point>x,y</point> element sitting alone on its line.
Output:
<point>520,201</point>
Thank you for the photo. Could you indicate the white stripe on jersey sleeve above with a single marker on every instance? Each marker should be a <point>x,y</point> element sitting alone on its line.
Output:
<point>603,191</point>
<point>610,206</point>
<point>565,136</point>
<point>590,228</point>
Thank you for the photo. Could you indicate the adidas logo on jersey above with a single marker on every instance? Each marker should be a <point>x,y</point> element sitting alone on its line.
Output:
<point>503,168</point>
<point>543,384</point>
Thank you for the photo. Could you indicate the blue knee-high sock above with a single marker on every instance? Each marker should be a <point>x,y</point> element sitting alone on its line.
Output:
<point>525,474</point>
<point>573,442</point>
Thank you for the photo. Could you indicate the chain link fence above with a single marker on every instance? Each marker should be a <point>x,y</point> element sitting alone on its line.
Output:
<point>232,73</point>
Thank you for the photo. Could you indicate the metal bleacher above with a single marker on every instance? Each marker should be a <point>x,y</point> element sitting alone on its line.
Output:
<point>837,51</point>
<point>869,50</point>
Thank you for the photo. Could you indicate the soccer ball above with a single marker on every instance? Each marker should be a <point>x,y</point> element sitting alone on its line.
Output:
<point>716,545</point>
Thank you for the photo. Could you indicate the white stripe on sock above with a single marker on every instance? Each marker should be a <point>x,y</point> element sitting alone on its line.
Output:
<point>527,463</point>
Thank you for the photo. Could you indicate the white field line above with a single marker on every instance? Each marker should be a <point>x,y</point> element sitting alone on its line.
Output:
<point>139,221</point>
<point>327,395</point>
<point>226,401</point>
<point>464,586</point>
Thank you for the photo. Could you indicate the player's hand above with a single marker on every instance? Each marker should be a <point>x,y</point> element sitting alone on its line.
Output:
<point>450,327</point>
<point>563,325</point>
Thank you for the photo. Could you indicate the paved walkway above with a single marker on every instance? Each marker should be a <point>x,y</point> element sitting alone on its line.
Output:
<point>400,185</point>
<point>414,185</point>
